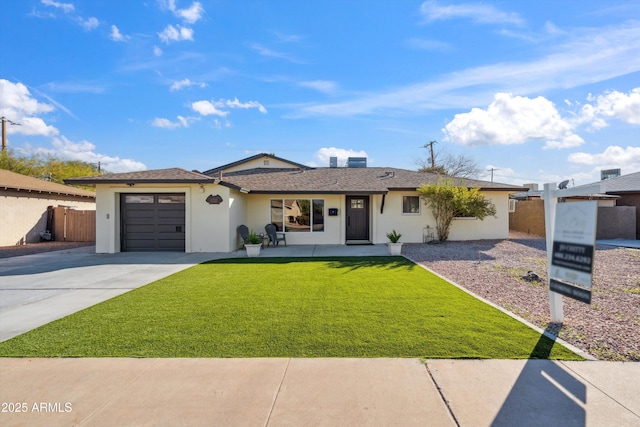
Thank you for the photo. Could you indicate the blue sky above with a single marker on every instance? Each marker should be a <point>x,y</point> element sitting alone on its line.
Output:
<point>540,91</point>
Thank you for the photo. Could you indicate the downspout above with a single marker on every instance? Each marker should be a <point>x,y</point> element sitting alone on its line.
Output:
<point>382,204</point>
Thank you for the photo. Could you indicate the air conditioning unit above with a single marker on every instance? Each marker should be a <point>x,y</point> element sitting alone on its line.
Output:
<point>512,205</point>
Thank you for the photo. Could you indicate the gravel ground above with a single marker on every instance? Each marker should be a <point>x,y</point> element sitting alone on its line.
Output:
<point>608,329</point>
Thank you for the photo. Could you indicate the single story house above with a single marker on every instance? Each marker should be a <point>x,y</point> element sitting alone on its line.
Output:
<point>191,211</point>
<point>25,203</point>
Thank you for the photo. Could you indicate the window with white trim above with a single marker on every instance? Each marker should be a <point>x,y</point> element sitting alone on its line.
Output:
<point>411,205</point>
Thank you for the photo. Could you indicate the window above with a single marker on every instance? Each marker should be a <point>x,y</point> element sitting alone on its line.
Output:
<point>298,215</point>
<point>411,205</point>
<point>138,198</point>
<point>357,203</point>
<point>171,198</point>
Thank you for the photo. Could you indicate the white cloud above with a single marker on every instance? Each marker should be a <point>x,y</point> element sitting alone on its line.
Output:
<point>157,51</point>
<point>89,23</point>
<point>479,13</point>
<point>185,83</point>
<point>324,86</point>
<point>18,105</point>
<point>66,7</point>
<point>324,154</point>
<point>173,34</point>
<point>612,157</point>
<point>190,15</point>
<point>116,35</point>
<point>613,104</point>
<point>183,122</point>
<point>216,108</point>
<point>206,108</point>
<point>512,120</point>
<point>85,151</point>
<point>245,105</point>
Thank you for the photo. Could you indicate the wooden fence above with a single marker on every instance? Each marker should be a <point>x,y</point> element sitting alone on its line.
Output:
<point>70,225</point>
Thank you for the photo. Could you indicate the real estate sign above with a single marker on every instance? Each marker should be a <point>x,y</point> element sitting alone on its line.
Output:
<point>574,241</point>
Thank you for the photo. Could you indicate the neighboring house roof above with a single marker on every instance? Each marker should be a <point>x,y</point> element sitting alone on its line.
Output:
<point>251,159</point>
<point>172,175</point>
<point>629,183</point>
<point>537,194</point>
<point>18,182</point>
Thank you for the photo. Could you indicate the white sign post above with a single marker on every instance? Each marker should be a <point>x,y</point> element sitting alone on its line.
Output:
<point>550,196</point>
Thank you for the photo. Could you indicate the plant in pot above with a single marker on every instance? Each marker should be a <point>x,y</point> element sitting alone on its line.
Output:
<point>253,245</point>
<point>395,246</point>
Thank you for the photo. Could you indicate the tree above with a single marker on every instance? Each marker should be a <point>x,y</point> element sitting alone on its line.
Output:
<point>459,166</point>
<point>448,201</point>
<point>47,167</point>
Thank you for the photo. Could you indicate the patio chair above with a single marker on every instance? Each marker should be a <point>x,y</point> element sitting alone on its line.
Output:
<point>275,236</point>
<point>243,231</point>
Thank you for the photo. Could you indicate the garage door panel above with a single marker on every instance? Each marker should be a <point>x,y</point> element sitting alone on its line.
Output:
<point>153,226</point>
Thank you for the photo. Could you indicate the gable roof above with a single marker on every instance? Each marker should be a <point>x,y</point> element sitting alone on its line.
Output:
<point>251,159</point>
<point>629,183</point>
<point>172,175</point>
<point>18,182</point>
<point>370,180</point>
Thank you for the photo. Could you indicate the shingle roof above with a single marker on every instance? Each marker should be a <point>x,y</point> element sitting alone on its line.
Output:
<point>15,181</point>
<point>250,159</point>
<point>629,183</point>
<point>369,180</point>
<point>172,175</point>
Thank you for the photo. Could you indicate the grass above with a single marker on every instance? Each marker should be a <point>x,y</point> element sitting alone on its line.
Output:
<point>270,307</point>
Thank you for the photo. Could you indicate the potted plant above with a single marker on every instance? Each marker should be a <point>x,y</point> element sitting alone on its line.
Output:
<point>395,246</point>
<point>253,245</point>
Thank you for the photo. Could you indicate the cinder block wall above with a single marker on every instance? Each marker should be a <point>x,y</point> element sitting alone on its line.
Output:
<point>618,222</point>
<point>528,217</point>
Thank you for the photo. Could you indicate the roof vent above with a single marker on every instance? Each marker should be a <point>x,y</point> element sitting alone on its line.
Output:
<point>357,162</point>
<point>333,162</point>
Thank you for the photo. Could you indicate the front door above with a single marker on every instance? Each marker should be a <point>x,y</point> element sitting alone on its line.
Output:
<point>358,218</point>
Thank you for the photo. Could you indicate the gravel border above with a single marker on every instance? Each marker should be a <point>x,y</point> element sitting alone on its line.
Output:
<point>496,270</point>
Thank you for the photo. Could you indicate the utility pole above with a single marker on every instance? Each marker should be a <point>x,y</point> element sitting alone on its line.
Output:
<point>433,159</point>
<point>4,131</point>
<point>492,169</point>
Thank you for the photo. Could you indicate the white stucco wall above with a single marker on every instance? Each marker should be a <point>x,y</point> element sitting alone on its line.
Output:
<point>206,227</point>
<point>263,162</point>
<point>411,225</point>
<point>23,214</point>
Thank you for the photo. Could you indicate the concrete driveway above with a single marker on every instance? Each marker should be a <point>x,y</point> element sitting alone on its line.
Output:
<point>37,289</point>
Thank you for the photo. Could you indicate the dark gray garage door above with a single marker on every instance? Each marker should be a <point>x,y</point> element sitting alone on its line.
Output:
<point>152,222</point>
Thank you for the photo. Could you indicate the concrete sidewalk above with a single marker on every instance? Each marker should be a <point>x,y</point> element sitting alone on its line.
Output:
<point>318,392</point>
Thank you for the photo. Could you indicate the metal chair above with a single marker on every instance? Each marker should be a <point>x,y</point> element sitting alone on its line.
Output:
<point>274,236</point>
<point>243,231</point>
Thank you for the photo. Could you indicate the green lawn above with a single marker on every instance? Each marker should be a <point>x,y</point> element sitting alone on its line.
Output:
<point>302,307</point>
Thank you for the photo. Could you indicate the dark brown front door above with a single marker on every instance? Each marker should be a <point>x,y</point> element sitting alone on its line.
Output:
<point>357,217</point>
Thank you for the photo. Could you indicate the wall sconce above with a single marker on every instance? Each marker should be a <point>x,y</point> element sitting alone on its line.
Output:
<point>201,188</point>
<point>214,200</point>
